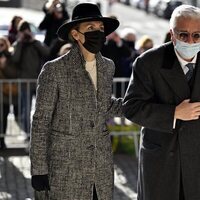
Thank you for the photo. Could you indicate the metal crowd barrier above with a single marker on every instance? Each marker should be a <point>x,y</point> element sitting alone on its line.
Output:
<point>15,107</point>
<point>119,89</point>
<point>17,96</point>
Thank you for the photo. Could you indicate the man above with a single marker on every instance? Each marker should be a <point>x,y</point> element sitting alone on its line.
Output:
<point>28,55</point>
<point>71,156</point>
<point>163,97</point>
<point>55,16</point>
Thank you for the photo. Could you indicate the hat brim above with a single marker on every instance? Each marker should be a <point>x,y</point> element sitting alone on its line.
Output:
<point>110,25</point>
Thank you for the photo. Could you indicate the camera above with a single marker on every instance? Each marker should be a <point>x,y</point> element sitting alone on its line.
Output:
<point>27,37</point>
<point>2,54</point>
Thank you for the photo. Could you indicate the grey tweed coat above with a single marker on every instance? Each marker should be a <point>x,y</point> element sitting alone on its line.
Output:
<point>69,138</point>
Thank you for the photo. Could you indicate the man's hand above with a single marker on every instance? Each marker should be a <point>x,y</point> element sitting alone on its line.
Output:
<point>3,60</point>
<point>40,182</point>
<point>187,111</point>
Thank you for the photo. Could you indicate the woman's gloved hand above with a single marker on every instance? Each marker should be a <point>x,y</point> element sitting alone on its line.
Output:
<point>40,182</point>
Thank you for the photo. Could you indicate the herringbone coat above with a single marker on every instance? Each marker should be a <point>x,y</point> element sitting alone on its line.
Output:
<point>69,138</point>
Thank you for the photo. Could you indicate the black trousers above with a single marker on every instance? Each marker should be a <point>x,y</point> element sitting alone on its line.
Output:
<point>181,192</point>
<point>94,194</point>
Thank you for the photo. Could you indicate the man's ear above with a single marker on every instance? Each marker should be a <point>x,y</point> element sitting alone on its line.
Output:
<point>74,34</point>
<point>172,36</point>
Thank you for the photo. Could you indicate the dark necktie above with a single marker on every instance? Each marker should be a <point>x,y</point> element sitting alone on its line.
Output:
<point>189,74</point>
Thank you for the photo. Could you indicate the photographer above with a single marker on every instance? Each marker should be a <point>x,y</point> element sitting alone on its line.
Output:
<point>29,54</point>
<point>50,4</point>
<point>7,70</point>
<point>55,16</point>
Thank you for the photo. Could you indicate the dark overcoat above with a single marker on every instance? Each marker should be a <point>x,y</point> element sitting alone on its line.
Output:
<point>158,84</point>
<point>69,137</point>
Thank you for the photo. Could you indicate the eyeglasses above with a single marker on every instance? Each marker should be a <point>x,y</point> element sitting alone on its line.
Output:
<point>184,36</point>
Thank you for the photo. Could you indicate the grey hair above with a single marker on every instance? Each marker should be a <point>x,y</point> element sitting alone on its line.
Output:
<point>184,11</point>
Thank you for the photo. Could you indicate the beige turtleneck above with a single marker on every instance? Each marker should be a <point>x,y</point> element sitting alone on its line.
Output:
<point>91,68</point>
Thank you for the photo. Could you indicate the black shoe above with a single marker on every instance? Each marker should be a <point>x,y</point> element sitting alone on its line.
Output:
<point>2,145</point>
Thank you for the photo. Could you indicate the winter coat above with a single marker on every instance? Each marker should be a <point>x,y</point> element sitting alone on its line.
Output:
<point>51,24</point>
<point>69,138</point>
<point>9,72</point>
<point>157,86</point>
<point>29,58</point>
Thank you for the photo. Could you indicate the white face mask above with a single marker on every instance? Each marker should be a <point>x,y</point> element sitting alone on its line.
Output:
<point>187,50</point>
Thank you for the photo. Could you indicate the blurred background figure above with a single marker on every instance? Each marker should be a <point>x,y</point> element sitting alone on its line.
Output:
<point>167,37</point>
<point>55,48</point>
<point>116,49</point>
<point>146,5</point>
<point>7,70</point>
<point>55,15</point>
<point>64,49</point>
<point>129,37</point>
<point>29,55</point>
<point>144,43</point>
<point>50,3</point>
<point>12,32</point>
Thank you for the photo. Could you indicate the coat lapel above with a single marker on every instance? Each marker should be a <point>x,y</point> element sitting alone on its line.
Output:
<point>173,73</point>
<point>195,96</point>
<point>79,76</point>
<point>101,81</point>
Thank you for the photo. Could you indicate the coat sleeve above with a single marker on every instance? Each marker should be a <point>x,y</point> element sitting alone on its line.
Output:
<point>140,103</point>
<point>115,108</point>
<point>46,22</point>
<point>17,53</point>
<point>10,70</point>
<point>46,98</point>
<point>42,49</point>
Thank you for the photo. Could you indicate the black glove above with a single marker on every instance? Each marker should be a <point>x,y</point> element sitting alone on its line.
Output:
<point>40,182</point>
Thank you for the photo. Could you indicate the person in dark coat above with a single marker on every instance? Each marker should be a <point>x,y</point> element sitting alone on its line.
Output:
<point>51,3</point>
<point>55,16</point>
<point>117,50</point>
<point>71,153</point>
<point>12,32</point>
<point>129,37</point>
<point>28,55</point>
<point>164,98</point>
<point>8,92</point>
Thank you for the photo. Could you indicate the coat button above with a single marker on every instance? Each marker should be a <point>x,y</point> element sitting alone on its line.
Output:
<point>171,153</point>
<point>91,124</point>
<point>91,147</point>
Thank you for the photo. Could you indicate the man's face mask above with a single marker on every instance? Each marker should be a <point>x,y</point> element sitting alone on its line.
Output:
<point>94,40</point>
<point>187,50</point>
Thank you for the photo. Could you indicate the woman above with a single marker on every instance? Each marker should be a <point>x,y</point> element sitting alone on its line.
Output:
<point>7,70</point>
<point>12,32</point>
<point>70,153</point>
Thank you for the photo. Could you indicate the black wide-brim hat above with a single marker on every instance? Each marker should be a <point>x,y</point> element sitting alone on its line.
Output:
<point>85,12</point>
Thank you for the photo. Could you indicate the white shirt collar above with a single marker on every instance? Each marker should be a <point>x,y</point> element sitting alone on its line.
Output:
<point>183,63</point>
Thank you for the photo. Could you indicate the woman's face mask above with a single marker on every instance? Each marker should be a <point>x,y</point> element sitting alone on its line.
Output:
<point>187,50</point>
<point>94,40</point>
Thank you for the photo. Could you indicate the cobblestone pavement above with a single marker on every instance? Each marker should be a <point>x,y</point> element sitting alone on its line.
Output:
<point>15,176</point>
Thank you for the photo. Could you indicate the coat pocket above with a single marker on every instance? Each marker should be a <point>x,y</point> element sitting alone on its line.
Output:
<point>64,134</point>
<point>149,146</point>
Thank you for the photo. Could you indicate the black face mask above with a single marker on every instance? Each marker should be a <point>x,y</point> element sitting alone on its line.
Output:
<point>130,44</point>
<point>94,41</point>
<point>4,53</point>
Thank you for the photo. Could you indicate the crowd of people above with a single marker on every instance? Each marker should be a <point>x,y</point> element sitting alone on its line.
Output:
<point>70,152</point>
<point>27,55</point>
